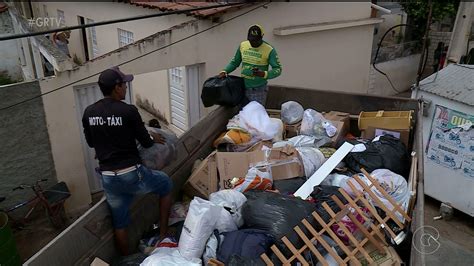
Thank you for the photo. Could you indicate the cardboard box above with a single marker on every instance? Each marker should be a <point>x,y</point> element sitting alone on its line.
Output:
<point>342,122</point>
<point>402,134</point>
<point>203,181</point>
<point>292,130</point>
<point>284,163</point>
<point>259,145</point>
<point>390,258</point>
<point>336,116</point>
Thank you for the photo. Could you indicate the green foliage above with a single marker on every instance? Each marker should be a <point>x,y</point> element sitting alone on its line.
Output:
<point>418,14</point>
<point>442,9</point>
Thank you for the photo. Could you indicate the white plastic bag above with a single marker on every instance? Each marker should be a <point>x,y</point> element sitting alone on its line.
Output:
<point>159,155</point>
<point>291,112</point>
<point>255,120</point>
<point>257,178</point>
<point>198,226</point>
<point>168,257</point>
<point>211,249</point>
<point>312,159</point>
<point>233,201</point>
<point>281,127</point>
<point>336,180</point>
<point>395,185</point>
<point>314,124</point>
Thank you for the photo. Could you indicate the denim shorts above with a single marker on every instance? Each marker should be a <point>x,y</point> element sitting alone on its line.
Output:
<point>121,189</point>
<point>258,94</point>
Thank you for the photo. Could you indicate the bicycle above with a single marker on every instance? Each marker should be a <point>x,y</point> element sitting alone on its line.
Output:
<point>51,199</point>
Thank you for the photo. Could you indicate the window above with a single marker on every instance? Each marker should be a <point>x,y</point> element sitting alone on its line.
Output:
<point>93,39</point>
<point>62,20</point>
<point>125,37</point>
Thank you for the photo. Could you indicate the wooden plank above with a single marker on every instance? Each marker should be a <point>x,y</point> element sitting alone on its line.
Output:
<point>358,246</point>
<point>280,255</point>
<point>386,195</point>
<point>332,235</point>
<point>293,249</point>
<point>323,243</point>
<point>266,260</point>
<point>371,209</point>
<point>361,227</point>
<point>307,188</point>
<point>311,246</point>
<point>374,197</point>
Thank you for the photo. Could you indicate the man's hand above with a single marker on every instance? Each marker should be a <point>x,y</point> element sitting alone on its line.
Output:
<point>222,75</point>
<point>258,73</point>
<point>158,138</point>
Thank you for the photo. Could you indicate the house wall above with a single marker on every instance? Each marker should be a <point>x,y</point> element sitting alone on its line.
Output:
<point>9,50</point>
<point>153,87</point>
<point>320,60</point>
<point>107,35</point>
<point>401,71</point>
<point>25,149</point>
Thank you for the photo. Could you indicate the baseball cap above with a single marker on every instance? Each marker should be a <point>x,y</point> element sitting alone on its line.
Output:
<point>112,76</point>
<point>255,32</point>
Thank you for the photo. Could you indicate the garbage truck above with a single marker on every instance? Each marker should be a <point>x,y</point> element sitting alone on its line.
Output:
<point>91,235</point>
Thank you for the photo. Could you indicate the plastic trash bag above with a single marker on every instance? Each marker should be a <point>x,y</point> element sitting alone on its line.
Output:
<point>169,257</point>
<point>385,153</point>
<point>159,155</point>
<point>130,260</point>
<point>198,226</point>
<point>288,186</point>
<point>232,201</point>
<point>255,120</point>
<point>273,212</point>
<point>210,251</point>
<point>227,91</point>
<point>178,212</point>
<point>248,243</point>
<point>291,112</point>
<point>236,260</point>
<point>314,124</point>
<point>336,180</point>
<point>281,127</point>
<point>322,194</point>
<point>256,179</point>
<point>312,159</point>
<point>395,185</point>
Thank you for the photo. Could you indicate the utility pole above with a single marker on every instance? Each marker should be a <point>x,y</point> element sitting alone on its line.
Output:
<point>425,44</point>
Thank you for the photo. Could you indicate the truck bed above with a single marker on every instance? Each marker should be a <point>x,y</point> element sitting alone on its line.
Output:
<point>91,235</point>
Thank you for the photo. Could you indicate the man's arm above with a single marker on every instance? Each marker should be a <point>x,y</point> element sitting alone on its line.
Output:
<point>235,62</point>
<point>274,62</point>
<point>87,130</point>
<point>141,134</point>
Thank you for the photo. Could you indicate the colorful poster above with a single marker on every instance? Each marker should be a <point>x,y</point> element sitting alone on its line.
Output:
<point>449,145</point>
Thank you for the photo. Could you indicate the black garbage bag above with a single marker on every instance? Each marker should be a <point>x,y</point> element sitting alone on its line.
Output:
<point>289,186</point>
<point>247,243</point>
<point>236,260</point>
<point>277,214</point>
<point>227,91</point>
<point>386,153</point>
<point>322,194</point>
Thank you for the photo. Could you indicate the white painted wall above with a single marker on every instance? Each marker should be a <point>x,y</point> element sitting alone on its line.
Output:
<point>443,183</point>
<point>401,71</point>
<point>320,60</point>
<point>153,87</point>
<point>10,62</point>
<point>107,35</point>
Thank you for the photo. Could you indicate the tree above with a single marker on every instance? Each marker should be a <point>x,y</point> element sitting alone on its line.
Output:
<point>418,14</point>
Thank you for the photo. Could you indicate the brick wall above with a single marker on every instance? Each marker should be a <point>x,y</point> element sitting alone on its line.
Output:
<point>25,151</point>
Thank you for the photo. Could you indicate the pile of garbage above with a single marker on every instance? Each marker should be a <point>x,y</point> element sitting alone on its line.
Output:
<point>252,190</point>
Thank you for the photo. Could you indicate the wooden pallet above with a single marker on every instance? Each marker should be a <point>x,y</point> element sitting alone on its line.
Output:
<point>373,235</point>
